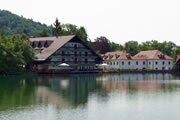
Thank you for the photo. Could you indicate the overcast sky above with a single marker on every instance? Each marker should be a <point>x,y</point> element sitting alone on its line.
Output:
<point>118,20</point>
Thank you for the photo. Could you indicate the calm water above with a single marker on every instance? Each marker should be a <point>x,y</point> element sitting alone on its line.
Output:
<point>90,97</point>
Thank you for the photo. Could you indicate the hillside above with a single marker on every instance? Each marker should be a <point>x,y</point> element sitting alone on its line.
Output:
<point>14,24</point>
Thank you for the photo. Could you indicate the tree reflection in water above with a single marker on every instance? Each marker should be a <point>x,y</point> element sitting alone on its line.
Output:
<point>74,90</point>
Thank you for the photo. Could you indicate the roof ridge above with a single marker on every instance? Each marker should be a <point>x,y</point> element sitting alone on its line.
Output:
<point>52,36</point>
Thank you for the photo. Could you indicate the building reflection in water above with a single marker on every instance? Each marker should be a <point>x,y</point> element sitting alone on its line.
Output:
<point>72,90</point>
<point>131,83</point>
<point>75,90</point>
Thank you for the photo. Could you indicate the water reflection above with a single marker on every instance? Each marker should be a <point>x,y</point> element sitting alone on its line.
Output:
<point>16,92</point>
<point>72,91</point>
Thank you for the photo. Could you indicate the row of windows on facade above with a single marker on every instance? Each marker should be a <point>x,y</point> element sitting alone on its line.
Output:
<point>137,63</point>
<point>74,45</point>
<point>85,67</point>
<point>75,60</point>
<point>75,53</point>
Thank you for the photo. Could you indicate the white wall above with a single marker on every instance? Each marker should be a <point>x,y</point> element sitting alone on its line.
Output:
<point>140,64</point>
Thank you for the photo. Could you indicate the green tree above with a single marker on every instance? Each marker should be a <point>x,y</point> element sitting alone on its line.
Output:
<point>115,47</point>
<point>132,47</point>
<point>56,28</point>
<point>16,53</point>
<point>70,29</point>
<point>43,34</point>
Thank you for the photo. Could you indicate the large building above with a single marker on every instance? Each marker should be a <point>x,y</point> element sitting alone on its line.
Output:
<point>144,60</point>
<point>118,60</point>
<point>51,52</point>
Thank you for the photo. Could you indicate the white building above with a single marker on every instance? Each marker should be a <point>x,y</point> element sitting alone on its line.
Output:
<point>154,60</point>
<point>118,60</point>
<point>144,60</point>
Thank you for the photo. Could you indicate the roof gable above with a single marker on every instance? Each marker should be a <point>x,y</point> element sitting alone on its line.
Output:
<point>118,55</point>
<point>55,45</point>
<point>151,54</point>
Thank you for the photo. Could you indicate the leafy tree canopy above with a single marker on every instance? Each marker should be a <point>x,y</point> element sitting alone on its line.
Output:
<point>70,29</point>
<point>16,53</point>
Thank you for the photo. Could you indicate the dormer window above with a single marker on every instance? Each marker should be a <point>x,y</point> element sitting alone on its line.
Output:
<point>46,44</point>
<point>110,56</point>
<point>117,56</point>
<point>128,56</point>
<point>33,44</point>
<point>161,56</point>
<point>39,45</point>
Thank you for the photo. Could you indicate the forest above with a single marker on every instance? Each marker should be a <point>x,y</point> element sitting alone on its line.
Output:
<point>14,24</point>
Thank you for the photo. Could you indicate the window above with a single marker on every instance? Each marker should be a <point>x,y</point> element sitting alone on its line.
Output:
<point>144,62</point>
<point>114,63</point>
<point>122,62</point>
<point>169,62</point>
<point>156,63</point>
<point>62,53</point>
<point>117,63</point>
<point>129,63</point>
<point>86,53</point>
<point>149,62</point>
<point>136,62</point>
<point>86,60</point>
<point>163,62</point>
<point>63,60</point>
<point>75,46</point>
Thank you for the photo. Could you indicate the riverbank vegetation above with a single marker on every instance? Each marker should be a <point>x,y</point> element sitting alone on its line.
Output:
<point>16,54</point>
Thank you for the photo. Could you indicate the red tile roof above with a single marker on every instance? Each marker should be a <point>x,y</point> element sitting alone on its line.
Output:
<point>152,55</point>
<point>116,56</point>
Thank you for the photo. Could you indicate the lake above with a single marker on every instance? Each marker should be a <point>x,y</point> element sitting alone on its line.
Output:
<point>150,96</point>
